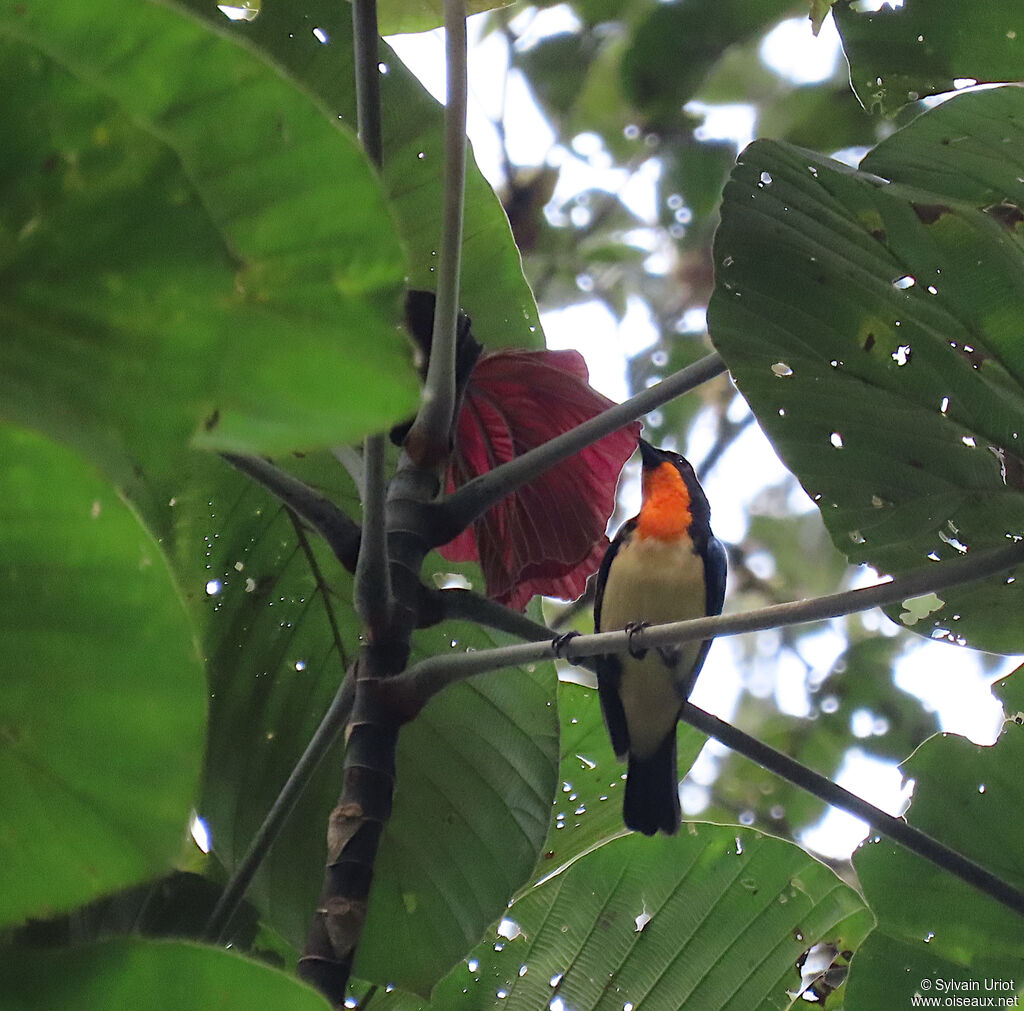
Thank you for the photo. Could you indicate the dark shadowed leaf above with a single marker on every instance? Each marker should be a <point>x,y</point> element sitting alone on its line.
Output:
<point>102,693</point>
<point>547,537</point>
<point>900,54</point>
<point>156,975</point>
<point>675,46</point>
<point>873,327</point>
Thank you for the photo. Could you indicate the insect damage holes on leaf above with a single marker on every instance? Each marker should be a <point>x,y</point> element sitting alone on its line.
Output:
<point>917,608</point>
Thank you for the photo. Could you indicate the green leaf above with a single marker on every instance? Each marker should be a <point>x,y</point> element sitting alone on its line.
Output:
<point>932,925</point>
<point>103,697</point>
<point>715,917</point>
<point>476,775</point>
<point>190,247</point>
<point>873,329</point>
<point>493,289</point>
<point>818,13</point>
<point>921,48</point>
<point>476,769</point>
<point>156,975</point>
<point>588,807</point>
<point>676,45</point>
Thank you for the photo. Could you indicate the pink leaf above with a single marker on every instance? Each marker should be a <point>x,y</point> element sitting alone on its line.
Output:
<point>547,537</point>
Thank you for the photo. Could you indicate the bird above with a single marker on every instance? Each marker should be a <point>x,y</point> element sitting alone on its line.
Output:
<point>664,565</point>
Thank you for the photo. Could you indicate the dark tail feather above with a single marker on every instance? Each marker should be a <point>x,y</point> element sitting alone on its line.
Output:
<point>652,791</point>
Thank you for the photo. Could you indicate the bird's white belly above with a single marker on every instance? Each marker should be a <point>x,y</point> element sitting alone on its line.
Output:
<point>653,581</point>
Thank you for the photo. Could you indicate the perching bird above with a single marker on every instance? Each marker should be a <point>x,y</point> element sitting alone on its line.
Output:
<point>664,565</point>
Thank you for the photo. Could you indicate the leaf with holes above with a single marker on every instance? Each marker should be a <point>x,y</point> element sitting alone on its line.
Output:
<point>873,326</point>
<point>588,810</point>
<point>931,924</point>
<point>904,52</point>
<point>714,918</point>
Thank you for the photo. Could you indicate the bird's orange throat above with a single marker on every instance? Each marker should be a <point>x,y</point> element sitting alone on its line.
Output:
<point>665,513</point>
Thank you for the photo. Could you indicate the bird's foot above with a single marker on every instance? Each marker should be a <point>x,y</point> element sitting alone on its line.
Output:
<point>631,630</point>
<point>560,642</point>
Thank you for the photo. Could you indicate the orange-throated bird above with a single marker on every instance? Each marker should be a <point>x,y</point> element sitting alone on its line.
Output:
<point>664,565</point>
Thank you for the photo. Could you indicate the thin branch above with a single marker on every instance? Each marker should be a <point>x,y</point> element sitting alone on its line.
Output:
<point>333,720</point>
<point>373,581</point>
<point>824,789</point>
<point>465,605</point>
<point>428,439</point>
<point>426,678</point>
<point>340,531</point>
<point>475,497</point>
<point>366,47</point>
<point>320,743</point>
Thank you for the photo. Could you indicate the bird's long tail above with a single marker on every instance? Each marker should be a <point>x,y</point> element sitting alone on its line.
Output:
<point>652,791</point>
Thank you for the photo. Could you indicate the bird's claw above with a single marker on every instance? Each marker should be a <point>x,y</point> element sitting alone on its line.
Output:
<point>561,641</point>
<point>631,630</point>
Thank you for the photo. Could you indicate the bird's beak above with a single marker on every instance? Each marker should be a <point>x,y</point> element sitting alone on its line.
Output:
<point>649,456</point>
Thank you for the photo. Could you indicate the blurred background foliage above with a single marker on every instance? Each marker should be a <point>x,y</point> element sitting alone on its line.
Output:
<point>645,107</point>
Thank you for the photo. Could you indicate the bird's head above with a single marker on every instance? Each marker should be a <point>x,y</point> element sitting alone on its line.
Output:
<point>672,497</point>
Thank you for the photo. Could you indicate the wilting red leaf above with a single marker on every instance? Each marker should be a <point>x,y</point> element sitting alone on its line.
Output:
<point>547,537</point>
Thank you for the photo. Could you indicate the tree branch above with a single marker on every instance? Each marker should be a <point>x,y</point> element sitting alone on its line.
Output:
<point>824,789</point>
<point>373,578</point>
<point>429,440</point>
<point>474,498</point>
<point>326,733</point>
<point>465,605</point>
<point>366,51</point>
<point>426,678</point>
<point>339,531</point>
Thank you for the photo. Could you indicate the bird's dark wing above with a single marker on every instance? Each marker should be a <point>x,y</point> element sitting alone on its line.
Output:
<point>609,667</point>
<point>714,576</point>
<point>714,597</point>
<point>606,563</point>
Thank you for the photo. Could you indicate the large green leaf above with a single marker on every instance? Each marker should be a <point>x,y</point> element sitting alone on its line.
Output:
<point>476,776</point>
<point>190,247</point>
<point>102,694</point>
<point>155,975</point>
<point>931,925</point>
<point>588,808</point>
<point>715,917</point>
<point>874,329</point>
<point>493,289</point>
<point>476,770</point>
<point>898,55</point>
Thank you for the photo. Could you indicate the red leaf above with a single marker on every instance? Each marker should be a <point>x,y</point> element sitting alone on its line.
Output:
<point>547,537</point>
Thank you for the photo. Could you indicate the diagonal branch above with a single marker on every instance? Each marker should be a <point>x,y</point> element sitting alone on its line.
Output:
<point>339,531</point>
<point>330,726</point>
<point>824,789</point>
<point>474,498</point>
